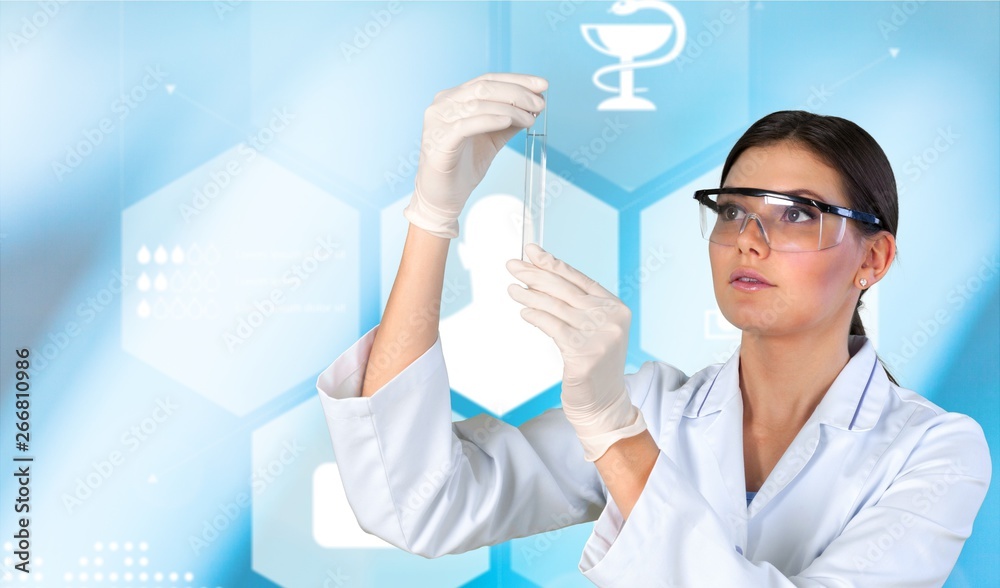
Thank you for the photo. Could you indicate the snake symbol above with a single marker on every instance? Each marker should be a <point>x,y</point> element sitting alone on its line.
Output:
<point>626,7</point>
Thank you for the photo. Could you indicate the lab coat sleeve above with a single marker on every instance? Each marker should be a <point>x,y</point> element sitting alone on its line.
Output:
<point>433,487</point>
<point>909,537</point>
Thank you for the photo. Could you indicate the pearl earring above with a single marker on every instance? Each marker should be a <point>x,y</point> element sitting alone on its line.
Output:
<point>864,282</point>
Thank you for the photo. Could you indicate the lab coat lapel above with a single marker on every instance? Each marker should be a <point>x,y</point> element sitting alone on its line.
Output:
<point>853,403</point>
<point>723,435</point>
<point>799,452</point>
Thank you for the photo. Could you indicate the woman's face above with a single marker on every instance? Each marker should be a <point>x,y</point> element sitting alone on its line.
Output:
<point>806,291</point>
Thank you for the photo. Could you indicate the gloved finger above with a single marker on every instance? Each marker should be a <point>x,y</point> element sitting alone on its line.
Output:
<point>546,260</point>
<point>535,83</point>
<point>454,111</point>
<point>469,127</point>
<point>547,281</point>
<point>499,92</point>
<point>567,339</point>
<point>555,284</point>
<point>532,298</point>
<point>607,318</point>
<point>522,93</point>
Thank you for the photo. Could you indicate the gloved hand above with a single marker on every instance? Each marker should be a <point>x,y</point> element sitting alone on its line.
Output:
<point>464,128</point>
<point>590,326</point>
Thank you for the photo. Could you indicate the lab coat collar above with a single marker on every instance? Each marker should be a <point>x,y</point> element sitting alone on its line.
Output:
<point>854,401</point>
<point>857,397</point>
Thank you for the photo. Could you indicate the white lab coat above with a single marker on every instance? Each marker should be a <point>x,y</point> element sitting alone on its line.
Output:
<point>879,488</point>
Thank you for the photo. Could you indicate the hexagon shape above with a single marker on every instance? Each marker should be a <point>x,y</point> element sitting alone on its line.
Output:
<point>682,324</point>
<point>351,105</point>
<point>229,264</point>
<point>494,357</point>
<point>710,73</point>
<point>304,531</point>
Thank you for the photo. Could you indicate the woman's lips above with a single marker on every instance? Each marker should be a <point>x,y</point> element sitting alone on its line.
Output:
<point>748,281</point>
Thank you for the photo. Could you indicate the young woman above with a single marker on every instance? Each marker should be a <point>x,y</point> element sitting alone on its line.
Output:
<point>799,462</point>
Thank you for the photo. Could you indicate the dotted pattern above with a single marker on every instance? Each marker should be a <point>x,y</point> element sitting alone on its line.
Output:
<point>154,280</point>
<point>124,564</point>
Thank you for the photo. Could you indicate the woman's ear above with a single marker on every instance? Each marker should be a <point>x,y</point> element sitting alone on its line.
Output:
<point>880,251</point>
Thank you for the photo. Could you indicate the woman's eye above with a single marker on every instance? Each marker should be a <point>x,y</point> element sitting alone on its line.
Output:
<point>795,214</point>
<point>730,212</point>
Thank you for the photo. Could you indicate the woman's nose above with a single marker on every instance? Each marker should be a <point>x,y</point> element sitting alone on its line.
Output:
<point>753,240</point>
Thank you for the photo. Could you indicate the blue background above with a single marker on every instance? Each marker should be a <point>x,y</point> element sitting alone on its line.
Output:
<point>151,431</point>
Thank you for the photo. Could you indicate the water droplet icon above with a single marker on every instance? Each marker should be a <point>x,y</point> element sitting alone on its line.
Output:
<point>212,282</point>
<point>160,309</point>
<point>177,255</point>
<point>194,282</point>
<point>143,256</point>
<point>195,254</point>
<point>196,309</point>
<point>144,310</point>
<point>143,283</point>
<point>160,283</point>
<point>161,255</point>
<point>212,254</point>
<point>177,282</point>
<point>177,309</point>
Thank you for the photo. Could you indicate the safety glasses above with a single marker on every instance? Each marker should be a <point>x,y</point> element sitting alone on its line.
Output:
<point>787,222</point>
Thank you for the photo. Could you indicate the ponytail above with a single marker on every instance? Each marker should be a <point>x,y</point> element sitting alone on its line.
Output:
<point>858,328</point>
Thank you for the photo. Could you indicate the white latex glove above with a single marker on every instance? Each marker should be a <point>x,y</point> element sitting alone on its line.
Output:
<point>464,128</point>
<point>590,326</point>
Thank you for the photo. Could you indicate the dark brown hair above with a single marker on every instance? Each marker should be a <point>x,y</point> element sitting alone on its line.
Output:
<point>863,168</point>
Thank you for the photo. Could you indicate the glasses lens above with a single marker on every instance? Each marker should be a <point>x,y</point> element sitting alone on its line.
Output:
<point>784,224</point>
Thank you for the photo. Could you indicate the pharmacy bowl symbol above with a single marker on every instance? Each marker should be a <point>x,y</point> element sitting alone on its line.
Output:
<point>626,42</point>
